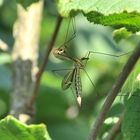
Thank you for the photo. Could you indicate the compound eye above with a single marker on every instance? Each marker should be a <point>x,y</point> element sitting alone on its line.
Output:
<point>61,51</point>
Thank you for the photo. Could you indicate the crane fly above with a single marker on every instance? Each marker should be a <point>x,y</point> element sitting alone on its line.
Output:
<point>73,77</point>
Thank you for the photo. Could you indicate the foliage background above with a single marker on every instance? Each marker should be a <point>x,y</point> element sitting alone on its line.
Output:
<point>57,108</point>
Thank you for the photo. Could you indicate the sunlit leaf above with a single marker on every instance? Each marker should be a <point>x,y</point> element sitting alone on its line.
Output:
<point>120,34</point>
<point>125,13</point>
<point>12,129</point>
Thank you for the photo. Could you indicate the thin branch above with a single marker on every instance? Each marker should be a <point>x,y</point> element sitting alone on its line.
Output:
<point>114,91</point>
<point>42,68</point>
<point>115,130</point>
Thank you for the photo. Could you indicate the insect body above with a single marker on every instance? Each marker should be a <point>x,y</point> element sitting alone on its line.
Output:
<point>74,75</point>
<point>78,85</point>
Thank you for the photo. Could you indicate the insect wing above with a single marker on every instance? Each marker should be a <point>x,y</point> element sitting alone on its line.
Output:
<point>68,79</point>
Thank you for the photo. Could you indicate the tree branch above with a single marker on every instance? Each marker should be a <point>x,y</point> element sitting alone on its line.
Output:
<point>114,91</point>
<point>42,68</point>
<point>24,55</point>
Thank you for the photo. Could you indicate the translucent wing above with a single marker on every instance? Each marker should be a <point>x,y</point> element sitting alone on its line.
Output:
<point>68,79</point>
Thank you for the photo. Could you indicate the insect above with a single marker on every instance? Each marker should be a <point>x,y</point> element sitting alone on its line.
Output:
<point>73,77</point>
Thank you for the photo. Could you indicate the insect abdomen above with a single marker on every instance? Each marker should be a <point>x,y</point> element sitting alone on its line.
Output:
<point>78,85</point>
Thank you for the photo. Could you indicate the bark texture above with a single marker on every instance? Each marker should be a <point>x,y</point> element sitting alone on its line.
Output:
<point>25,54</point>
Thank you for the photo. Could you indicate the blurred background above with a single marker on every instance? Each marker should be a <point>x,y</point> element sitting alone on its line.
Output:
<point>57,108</point>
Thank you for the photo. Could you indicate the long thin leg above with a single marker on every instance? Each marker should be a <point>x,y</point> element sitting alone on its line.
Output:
<point>87,58</point>
<point>107,54</point>
<point>72,21</point>
<point>61,70</point>
<point>74,30</point>
<point>68,28</point>
<point>91,82</point>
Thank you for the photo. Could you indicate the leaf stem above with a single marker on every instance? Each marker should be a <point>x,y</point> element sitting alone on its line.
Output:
<point>114,91</point>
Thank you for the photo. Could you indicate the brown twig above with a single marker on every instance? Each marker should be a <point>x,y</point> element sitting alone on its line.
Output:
<point>115,129</point>
<point>42,68</point>
<point>114,91</point>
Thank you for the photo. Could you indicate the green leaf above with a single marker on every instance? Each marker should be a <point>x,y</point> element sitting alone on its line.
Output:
<point>131,123</point>
<point>26,3</point>
<point>124,13</point>
<point>129,20</point>
<point>121,34</point>
<point>133,81</point>
<point>12,129</point>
